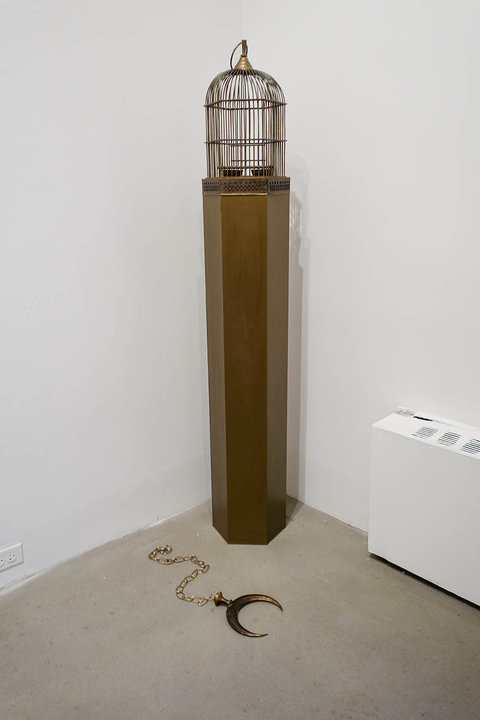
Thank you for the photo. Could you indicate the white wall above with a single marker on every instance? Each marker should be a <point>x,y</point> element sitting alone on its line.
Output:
<point>384,154</point>
<point>104,420</point>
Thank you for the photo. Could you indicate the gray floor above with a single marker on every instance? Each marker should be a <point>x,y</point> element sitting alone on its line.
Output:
<point>104,637</point>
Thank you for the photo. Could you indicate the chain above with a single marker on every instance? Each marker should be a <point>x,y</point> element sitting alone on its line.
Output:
<point>160,551</point>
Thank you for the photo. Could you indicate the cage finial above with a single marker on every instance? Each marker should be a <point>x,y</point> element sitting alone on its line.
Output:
<point>244,62</point>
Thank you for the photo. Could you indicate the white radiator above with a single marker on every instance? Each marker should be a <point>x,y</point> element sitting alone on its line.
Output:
<point>425,500</point>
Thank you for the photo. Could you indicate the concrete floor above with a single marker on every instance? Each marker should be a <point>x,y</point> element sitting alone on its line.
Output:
<point>104,637</point>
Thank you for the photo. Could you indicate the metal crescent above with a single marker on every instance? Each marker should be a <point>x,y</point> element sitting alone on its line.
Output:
<point>238,604</point>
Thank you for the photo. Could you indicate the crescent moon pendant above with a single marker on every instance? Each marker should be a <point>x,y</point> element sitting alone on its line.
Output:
<point>234,607</point>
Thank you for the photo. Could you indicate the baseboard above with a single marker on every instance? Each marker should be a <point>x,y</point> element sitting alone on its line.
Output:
<point>174,489</point>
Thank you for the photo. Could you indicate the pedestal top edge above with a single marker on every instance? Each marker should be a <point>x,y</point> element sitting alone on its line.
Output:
<point>246,185</point>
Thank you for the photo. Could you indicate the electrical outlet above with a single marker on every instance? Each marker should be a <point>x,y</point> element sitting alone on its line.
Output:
<point>11,556</point>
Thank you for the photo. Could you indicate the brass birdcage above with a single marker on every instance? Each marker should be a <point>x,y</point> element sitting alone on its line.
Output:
<point>245,122</point>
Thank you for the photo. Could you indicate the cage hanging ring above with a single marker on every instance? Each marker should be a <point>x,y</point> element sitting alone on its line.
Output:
<point>244,47</point>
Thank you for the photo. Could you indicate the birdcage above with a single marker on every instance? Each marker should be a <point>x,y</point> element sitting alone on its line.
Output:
<point>245,122</point>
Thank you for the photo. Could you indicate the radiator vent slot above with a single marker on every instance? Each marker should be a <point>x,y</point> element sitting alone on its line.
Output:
<point>425,432</point>
<point>472,447</point>
<point>448,439</point>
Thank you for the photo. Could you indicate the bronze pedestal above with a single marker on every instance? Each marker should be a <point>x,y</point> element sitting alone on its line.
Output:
<point>246,223</point>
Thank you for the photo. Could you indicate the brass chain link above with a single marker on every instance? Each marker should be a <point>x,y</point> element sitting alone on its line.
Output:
<point>158,554</point>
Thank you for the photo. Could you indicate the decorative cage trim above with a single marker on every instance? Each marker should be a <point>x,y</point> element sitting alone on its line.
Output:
<point>210,185</point>
<point>245,185</point>
<point>279,185</point>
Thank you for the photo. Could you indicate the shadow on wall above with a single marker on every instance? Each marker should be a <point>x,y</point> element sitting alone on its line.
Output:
<point>297,329</point>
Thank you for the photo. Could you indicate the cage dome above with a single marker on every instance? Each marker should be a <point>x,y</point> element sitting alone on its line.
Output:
<point>245,122</point>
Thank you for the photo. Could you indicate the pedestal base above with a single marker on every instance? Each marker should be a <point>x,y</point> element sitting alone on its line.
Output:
<point>246,266</point>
